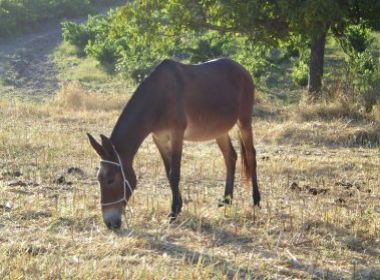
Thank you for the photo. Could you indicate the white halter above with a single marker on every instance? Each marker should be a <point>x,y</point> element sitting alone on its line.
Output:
<point>125,181</point>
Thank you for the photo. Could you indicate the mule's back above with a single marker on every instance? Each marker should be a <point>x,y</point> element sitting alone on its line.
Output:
<point>215,95</point>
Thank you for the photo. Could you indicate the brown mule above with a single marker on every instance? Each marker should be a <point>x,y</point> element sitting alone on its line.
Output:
<point>178,102</point>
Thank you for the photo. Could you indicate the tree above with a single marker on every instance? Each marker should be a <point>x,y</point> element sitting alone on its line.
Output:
<point>263,21</point>
<point>313,19</point>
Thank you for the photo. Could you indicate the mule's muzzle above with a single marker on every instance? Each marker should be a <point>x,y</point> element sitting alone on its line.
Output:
<point>113,224</point>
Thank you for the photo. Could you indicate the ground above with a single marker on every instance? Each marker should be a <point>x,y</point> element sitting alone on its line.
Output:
<point>27,65</point>
<point>319,217</point>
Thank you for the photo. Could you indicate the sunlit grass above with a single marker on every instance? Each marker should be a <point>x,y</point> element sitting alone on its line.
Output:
<point>319,218</point>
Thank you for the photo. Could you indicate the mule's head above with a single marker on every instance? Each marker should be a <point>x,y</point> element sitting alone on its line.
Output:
<point>116,179</point>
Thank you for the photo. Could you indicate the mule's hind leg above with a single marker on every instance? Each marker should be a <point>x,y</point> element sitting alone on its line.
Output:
<point>230,156</point>
<point>249,157</point>
<point>175,172</point>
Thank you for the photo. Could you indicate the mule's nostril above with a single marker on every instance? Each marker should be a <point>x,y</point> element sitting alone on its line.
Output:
<point>113,224</point>
<point>117,224</point>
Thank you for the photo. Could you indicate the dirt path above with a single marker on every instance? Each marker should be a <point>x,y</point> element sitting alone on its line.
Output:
<point>26,65</point>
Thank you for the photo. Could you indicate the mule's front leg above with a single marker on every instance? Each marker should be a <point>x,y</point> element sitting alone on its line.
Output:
<point>175,172</point>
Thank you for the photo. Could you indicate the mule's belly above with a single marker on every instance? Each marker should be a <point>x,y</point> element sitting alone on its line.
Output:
<point>204,129</point>
<point>210,114</point>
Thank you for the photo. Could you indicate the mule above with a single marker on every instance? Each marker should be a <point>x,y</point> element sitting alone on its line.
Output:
<point>178,102</point>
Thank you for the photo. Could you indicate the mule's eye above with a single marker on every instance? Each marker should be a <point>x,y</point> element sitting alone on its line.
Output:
<point>110,181</point>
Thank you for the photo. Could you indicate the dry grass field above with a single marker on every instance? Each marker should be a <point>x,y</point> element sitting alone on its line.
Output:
<point>319,217</point>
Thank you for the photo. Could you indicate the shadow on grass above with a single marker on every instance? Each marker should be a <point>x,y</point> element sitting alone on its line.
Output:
<point>346,238</point>
<point>369,137</point>
<point>193,257</point>
<point>219,265</point>
<point>297,268</point>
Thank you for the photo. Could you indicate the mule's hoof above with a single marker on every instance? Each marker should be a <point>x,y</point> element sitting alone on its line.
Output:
<point>172,217</point>
<point>224,202</point>
<point>256,201</point>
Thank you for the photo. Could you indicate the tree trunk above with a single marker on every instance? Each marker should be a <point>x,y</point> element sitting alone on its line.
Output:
<point>316,64</point>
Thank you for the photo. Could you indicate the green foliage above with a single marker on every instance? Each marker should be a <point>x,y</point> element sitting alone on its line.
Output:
<point>356,39</point>
<point>363,75</point>
<point>363,63</point>
<point>113,42</point>
<point>296,48</point>
<point>255,58</point>
<point>261,35</point>
<point>362,66</point>
<point>106,52</point>
<point>300,73</point>
<point>76,34</point>
<point>80,35</point>
<point>204,49</point>
<point>119,45</point>
<point>18,16</point>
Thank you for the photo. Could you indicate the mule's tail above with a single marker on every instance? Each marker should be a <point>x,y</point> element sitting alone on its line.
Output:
<point>248,152</point>
<point>245,135</point>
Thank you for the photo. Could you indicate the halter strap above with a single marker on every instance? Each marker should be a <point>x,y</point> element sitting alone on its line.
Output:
<point>110,162</point>
<point>125,181</point>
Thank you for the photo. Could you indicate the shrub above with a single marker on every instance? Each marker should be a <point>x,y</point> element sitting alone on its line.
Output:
<point>96,27</point>
<point>361,76</point>
<point>76,34</point>
<point>356,39</point>
<point>104,51</point>
<point>363,70</point>
<point>256,58</point>
<point>300,73</point>
<point>209,45</point>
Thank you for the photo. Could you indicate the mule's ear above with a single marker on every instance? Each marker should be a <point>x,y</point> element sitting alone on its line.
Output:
<point>107,145</point>
<point>97,147</point>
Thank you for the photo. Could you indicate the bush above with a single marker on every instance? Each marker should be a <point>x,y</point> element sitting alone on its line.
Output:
<point>300,73</point>
<point>209,46</point>
<point>105,52</point>
<point>362,75</point>
<point>356,39</point>
<point>80,35</point>
<point>76,34</point>
<point>255,58</point>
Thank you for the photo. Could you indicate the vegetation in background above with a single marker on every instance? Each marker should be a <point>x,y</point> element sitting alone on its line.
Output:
<point>17,16</point>
<point>362,67</point>
<point>263,22</point>
<point>119,47</point>
<point>125,41</point>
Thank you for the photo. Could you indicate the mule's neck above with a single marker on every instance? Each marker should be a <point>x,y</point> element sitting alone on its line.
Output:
<point>135,123</point>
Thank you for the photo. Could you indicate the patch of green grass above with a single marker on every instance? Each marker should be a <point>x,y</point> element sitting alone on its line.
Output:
<point>78,69</point>
<point>74,67</point>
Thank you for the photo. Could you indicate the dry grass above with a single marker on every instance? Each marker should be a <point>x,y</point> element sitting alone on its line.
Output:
<point>328,111</point>
<point>320,215</point>
<point>75,97</point>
